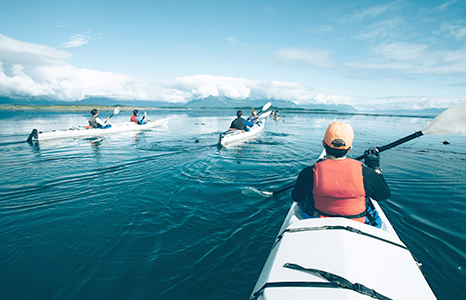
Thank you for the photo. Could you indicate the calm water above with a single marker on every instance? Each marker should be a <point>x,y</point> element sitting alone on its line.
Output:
<point>155,215</point>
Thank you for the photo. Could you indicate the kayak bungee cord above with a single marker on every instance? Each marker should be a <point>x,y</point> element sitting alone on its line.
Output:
<point>336,227</point>
<point>334,281</point>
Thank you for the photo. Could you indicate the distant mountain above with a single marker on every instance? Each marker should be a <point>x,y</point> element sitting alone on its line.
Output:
<point>415,112</point>
<point>208,102</point>
<point>336,107</point>
<point>27,101</point>
<point>112,102</point>
<point>225,102</point>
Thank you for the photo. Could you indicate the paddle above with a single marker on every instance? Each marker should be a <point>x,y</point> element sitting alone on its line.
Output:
<point>265,107</point>
<point>115,112</point>
<point>266,114</point>
<point>452,120</point>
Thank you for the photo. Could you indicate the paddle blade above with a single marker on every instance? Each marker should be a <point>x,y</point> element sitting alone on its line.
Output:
<point>266,114</point>
<point>452,120</point>
<point>266,106</point>
<point>253,192</point>
<point>116,110</point>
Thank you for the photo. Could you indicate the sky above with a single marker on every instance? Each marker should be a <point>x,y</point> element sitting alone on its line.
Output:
<point>370,54</point>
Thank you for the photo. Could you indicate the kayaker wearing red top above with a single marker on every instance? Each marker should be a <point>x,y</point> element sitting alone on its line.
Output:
<point>134,118</point>
<point>338,186</point>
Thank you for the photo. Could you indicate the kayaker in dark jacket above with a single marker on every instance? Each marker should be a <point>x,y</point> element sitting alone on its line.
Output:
<point>339,186</point>
<point>96,122</point>
<point>239,123</point>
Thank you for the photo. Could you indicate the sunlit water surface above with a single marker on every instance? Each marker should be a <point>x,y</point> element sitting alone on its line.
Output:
<point>157,215</point>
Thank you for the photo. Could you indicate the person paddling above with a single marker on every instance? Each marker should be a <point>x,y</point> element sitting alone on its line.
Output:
<point>338,186</point>
<point>96,122</point>
<point>240,123</point>
<point>253,117</point>
<point>135,118</point>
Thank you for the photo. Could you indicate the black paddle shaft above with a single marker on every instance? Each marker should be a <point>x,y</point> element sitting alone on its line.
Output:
<point>396,143</point>
<point>380,149</point>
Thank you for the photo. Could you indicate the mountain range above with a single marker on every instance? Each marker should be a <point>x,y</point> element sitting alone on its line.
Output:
<point>208,102</point>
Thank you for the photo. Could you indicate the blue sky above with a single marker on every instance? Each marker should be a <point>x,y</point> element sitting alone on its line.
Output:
<point>370,54</point>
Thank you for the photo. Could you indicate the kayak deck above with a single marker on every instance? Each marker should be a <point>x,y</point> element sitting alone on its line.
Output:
<point>233,136</point>
<point>374,258</point>
<point>87,132</point>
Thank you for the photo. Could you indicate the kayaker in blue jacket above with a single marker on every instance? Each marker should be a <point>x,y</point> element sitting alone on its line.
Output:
<point>338,186</point>
<point>240,123</point>
<point>253,117</point>
<point>135,118</point>
<point>96,122</point>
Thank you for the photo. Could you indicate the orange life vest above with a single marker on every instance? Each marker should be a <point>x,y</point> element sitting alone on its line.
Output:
<point>339,189</point>
<point>134,119</point>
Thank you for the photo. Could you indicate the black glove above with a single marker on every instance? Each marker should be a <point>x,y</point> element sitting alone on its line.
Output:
<point>372,158</point>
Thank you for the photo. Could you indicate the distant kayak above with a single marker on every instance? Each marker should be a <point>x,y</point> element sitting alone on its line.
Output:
<point>338,258</point>
<point>87,132</point>
<point>233,136</point>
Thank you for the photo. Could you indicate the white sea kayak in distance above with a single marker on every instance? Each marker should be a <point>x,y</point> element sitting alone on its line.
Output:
<point>338,258</point>
<point>82,131</point>
<point>230,136</point>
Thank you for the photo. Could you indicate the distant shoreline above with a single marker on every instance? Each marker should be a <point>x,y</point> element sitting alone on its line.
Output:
<point>77,107</point>
<point>80,108</point>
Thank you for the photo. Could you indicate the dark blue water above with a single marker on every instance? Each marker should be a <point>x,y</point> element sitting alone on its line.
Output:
<point>155,215</point>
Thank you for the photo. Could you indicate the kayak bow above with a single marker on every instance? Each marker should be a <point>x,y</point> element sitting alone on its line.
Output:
<point>338,258</point>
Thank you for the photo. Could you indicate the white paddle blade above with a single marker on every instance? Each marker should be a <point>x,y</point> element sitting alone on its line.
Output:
<point>266,106</point>
<point>452,120</point>
<point>253,192</point>
<point>266,114</point>
<point>117,110</point>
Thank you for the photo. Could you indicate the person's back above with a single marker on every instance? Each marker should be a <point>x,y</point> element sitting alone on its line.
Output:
<point>341,186</point>
<point>239,123</point>
<point>95,121</point>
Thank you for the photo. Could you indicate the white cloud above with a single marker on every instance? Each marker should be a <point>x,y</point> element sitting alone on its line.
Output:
<point>293,56</point>
<point>446,5</point>
<point>415,59</point>
<point>26,52</point>
<point>234,42</point>
<point>457,31</point>
<point>382,30</point>
<point>201,86</point>
<point>416,103</point>
<point>77,40</point>
<point>33,70</point>
<point>323,29</point>
<point>376,11</point>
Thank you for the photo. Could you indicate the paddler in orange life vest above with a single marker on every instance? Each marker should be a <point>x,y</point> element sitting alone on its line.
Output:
<point>338,186</point>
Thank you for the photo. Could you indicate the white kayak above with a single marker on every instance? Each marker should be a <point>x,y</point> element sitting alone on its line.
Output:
<point>338,258</point>
<point>88,132</point>
<point>233,136</point>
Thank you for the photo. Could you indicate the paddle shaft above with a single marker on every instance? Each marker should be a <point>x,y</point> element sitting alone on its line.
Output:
<point>115,111</point>
<point>380,149</point>
<point>396,143</point>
